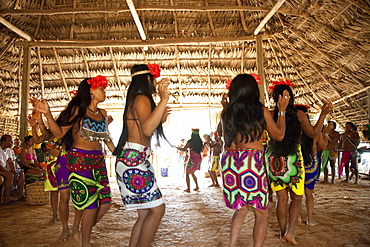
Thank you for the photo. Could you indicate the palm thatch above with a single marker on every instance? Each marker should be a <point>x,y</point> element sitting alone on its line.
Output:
<point>321,46</point>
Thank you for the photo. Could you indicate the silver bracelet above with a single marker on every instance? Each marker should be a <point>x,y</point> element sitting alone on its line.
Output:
<point>281,113</point>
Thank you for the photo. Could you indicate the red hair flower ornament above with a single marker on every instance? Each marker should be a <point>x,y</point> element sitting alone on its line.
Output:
<point>98,81</point>
<point>154,69</point>
<point>228,84</point>
<point>280,82</point>
<point>257,78</point>
<point>74,92</point>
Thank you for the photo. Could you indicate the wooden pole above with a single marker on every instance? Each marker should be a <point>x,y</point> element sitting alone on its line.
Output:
<point>260,72</point>
<point>25,90</point>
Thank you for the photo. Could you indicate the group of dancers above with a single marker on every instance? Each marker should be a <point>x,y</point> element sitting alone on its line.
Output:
<point>77,167</point>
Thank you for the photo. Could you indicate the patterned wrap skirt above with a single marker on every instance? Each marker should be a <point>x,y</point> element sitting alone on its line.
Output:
<point>62,172</point>
<point>51,169</point>
<point>311,173</point>
<point>135,178</point>
<point>194,162</point>
<point>244,179</point>
<point>88,179</point>
<point>215,164</point>
<point>286,171</point>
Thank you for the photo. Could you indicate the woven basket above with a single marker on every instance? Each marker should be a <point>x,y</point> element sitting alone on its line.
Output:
<point>36,195</point>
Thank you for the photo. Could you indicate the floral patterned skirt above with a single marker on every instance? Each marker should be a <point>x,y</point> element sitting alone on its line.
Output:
<point>135,178</point>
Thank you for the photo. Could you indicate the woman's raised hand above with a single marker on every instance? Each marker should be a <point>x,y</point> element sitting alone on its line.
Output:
<point>41,105</point>
<point>163,89</point>
<point>327,108</point>
<point>31,121</point>
<point>283,100</point>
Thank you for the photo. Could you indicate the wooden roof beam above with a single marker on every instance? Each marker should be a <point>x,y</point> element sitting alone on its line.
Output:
<point>62,74</point>
<point>268,16</point>
<point>138,23</point>
<point>210,21</point>
<point>63,11</point>
<point>41,73</point>
<point>242,17</point>
<point>15,29</point>
<point>138,43</point>
<point>277,60</point>
<point>175,21</point>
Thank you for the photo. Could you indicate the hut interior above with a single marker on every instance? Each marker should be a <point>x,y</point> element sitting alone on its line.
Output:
<point>48,46</point>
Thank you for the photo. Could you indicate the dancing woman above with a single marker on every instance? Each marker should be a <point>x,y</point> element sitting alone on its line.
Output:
<point>84,127</point>
<point>135,174</point>
<point>284,158</point>
<point>244,120</point>
<point>195,146</point>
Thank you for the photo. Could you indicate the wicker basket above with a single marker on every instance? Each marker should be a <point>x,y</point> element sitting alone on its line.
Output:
<point>36,195</point>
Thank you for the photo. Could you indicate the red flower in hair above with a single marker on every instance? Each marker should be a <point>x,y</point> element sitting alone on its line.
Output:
<point>307,106</point>
<point>154,69</point>
<point>228,84</point>
<point>74,92</point>
<point>280,82</point>
<point>257,78</point>
<point>98,81</point>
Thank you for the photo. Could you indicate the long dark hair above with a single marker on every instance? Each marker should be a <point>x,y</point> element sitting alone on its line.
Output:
<point>141,84</point>
<point>306,142</point>
<point>80,102</point>
<point>196,143</point>
<point>244,113</point>
<point>292,136</point>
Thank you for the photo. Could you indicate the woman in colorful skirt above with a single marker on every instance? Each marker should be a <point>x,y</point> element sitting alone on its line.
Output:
<point>284,159</point>
<point>309,148</point>
<point>135,174</point>
<point>195,146</point>
<point>244,120</point>
<point>84,127</point>
<point>56,174</point>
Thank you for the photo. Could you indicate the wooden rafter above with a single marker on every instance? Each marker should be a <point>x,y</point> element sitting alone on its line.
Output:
<point>137,20</point>
<point>242,18</point>
<point>268,16</point>
<point>62,11</point>
<point>62,73</point>
<point>41,73</point>
<point>138,43</point>
<point>39,20</point>
<point>211,21</point>
<point>73,20</point>
<point>175,22</point>
<point>277,60</point>
<point>15,29</point>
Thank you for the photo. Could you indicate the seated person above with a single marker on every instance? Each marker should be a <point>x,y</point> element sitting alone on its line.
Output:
<point>8,171</point>
<point>29,160</point>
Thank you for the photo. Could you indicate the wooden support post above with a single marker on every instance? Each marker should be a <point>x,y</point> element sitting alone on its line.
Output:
<point>25,90</point>
<point>368,104</point>
<point>209,85</point>
<point>264,96</point>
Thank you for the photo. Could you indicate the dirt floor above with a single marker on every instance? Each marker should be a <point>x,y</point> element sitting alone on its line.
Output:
<point>342,213</point>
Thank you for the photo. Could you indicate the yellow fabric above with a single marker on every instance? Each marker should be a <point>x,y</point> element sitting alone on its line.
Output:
<point>36,146</point>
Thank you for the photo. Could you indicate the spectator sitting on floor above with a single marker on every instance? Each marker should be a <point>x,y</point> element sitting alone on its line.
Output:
<point>8,171</point>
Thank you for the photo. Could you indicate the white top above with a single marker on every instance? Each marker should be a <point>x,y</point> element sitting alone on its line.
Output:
<point>5,155</point>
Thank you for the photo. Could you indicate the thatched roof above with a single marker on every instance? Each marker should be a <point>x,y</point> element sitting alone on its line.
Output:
<point>321,46</point>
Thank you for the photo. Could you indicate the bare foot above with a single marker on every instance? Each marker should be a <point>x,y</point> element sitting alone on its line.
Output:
<point>333,182</point>
<point>187,190</point>
<point>217,186</point>
<point>311,223</point>
<point>282,238</point>
<point>53,220</point>
<point>77,235</point>
<point>290,239</point>
<point>196,189</point>
<point>345,181</point>
<point>299,220</point>
<point>212,185</point>
<point>325,181</point>
<point>64,236</point>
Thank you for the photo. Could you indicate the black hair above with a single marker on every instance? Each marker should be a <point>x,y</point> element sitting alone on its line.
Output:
<point>80,102</point>
<point>244,113</point>
<point>196,143</point>
<point>306,142</point>
<point>141,84</point>
<point>4,137</point>
<point>353,126</point>
<point>334,123</point>
<point>43,145</point>
<point>27,139</point>
<point>293,129</point>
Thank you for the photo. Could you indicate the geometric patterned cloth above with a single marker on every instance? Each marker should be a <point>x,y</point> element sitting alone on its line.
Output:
<point>286,171</point>
<point>135,178</point>
<point>88,179</point>
<point>244,179</point>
